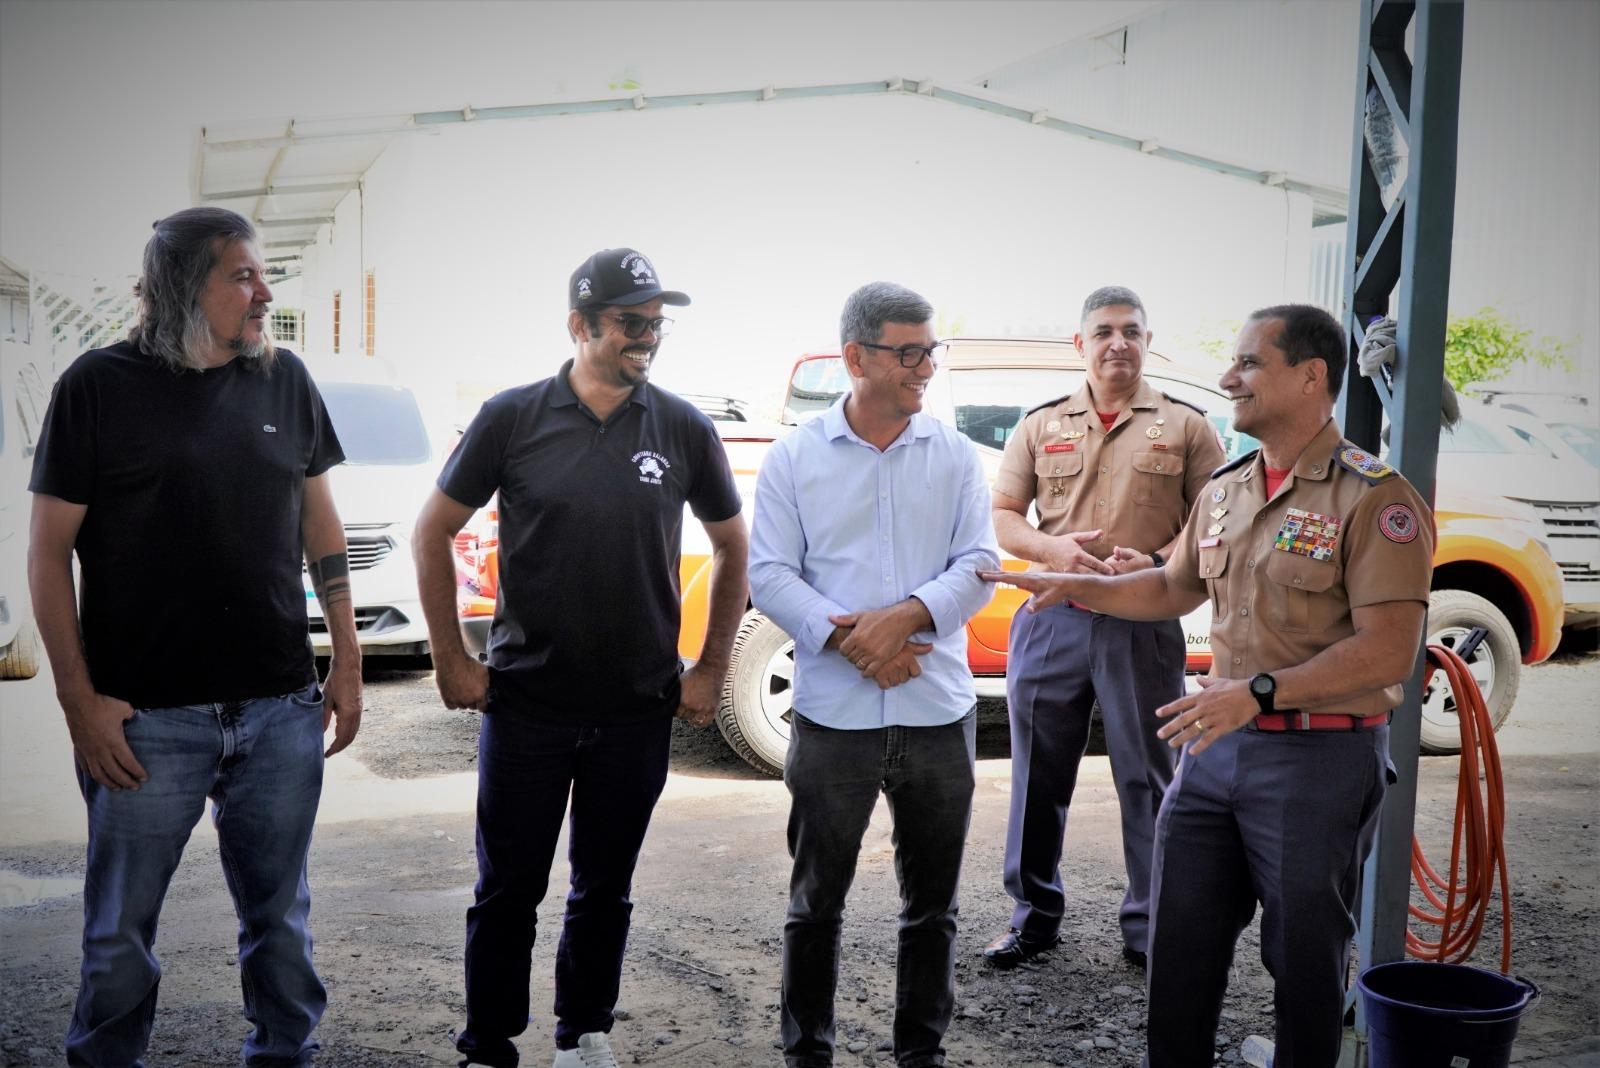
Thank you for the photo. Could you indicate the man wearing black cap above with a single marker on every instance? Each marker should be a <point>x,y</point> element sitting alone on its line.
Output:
<point>593,468</point>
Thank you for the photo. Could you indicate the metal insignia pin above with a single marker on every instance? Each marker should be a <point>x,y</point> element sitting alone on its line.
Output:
<point>1218,513</point>
<point>1053,425</point>
<point>1213,530</point>
<point>1153,432</point>
<point>1218,494</point>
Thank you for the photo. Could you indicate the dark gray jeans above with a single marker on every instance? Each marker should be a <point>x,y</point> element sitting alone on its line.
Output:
<point>834,778</point>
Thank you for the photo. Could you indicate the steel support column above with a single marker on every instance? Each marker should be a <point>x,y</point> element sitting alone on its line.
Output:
<point>1404,243</point>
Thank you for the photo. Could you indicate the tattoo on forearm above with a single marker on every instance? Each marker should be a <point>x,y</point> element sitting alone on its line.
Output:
<point>330,579</point>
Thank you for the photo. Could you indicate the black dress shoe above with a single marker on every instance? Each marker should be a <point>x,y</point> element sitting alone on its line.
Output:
<point>1014,947</point>
<point>1136,957</point>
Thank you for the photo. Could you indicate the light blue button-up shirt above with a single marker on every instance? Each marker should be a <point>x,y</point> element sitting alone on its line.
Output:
<point>841,527</point>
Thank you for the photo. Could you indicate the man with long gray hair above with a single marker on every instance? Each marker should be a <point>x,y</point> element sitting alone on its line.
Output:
<point>871,524</point>
<point>194,452</point>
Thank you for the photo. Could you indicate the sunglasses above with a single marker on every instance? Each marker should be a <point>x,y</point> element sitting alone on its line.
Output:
<point>634,326</point>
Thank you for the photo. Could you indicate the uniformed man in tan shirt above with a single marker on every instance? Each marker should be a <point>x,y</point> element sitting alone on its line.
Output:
<point>1317,560</point>
<point>1112,471</point>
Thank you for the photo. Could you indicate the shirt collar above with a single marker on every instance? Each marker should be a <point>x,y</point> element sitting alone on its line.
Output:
<point>562,395</point>
<point>836,426</point>
<point>1146,396</point>
<point>1315,461</point>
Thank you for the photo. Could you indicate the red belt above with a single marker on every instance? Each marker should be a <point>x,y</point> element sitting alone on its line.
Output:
<point>1318,721</point>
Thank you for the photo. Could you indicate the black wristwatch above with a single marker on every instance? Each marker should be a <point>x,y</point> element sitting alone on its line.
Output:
<point>1264,688</point>
<point>1156,558</point>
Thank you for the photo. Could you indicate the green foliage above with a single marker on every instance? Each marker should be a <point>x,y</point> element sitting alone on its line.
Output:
<point>1485,346</point>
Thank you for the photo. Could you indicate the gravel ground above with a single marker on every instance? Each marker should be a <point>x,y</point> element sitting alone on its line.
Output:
<point>701,980</point>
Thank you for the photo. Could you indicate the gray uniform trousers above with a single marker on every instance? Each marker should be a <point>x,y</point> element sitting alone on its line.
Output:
<point>1060,661</point>
<point>1283,818</point>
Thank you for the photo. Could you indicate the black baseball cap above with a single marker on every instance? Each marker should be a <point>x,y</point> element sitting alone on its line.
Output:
<point>618,276</point>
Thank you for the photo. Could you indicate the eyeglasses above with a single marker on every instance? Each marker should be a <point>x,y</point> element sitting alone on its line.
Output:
<point>910,355</point>
<point>634,326</point>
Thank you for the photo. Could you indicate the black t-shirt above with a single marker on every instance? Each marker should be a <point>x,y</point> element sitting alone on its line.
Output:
<point>585,627</point>
<point>191,546</point>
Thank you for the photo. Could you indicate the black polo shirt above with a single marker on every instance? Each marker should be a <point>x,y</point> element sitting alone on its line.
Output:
<point>191,542</point>
<point>585,626</point>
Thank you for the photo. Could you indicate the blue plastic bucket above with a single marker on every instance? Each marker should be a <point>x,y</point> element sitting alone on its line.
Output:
<point>1422,1014</point>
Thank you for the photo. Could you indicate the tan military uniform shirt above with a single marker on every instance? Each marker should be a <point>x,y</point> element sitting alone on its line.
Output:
<point>1344,531</point>
<point>1135,481</point>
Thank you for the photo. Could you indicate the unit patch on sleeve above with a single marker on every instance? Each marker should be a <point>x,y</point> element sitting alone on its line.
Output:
<point>1308,534</point>
<point>1398,523</point>
<point>1364,464</point>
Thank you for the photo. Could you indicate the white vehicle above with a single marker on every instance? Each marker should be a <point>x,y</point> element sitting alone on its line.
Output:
<point>389,468</point>
<point>1513,455</point>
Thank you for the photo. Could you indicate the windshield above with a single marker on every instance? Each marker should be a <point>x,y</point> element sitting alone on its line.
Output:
<point>378,425</point>
<point>990,402</point>
<point>1585,440</point>
<point>1472,435</point>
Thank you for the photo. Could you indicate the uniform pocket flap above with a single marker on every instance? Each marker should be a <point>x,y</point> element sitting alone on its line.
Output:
<point>1058,464</point>
<point>1300,572</point>
<point>1158,463</point>
<point>1213,561</point>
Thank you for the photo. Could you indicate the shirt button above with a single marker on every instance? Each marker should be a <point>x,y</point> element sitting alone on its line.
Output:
<point>1057,471</point>
<point>1238,660</point>
<point>1251,563</point>
<point>1158,467</point>
<point>884,494</point>
<point>1244,611</point>
<point>1103,470</point>
<point>1297,580</point>
<point>886,537</point>
<point>1100,503</point>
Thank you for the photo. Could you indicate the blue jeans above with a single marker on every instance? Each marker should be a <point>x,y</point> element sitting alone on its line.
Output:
<point>834,777</point>
<point>260,762</point>
<point>526,772</point>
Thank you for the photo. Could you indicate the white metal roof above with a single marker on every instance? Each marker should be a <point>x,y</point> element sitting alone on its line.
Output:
<point>288,176</point>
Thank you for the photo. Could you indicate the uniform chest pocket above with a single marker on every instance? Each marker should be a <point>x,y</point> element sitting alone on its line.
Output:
<point>1057,474</point>
<point>1158,480</point>
<point>1294,581</point>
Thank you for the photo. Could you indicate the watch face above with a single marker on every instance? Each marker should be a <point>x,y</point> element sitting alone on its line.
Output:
<point>1262,685</point>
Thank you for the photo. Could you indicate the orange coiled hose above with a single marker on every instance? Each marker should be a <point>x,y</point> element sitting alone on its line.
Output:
<point>1479,833</point>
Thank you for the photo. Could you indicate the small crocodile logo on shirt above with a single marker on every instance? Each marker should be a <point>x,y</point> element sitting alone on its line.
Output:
<point>269,428</point>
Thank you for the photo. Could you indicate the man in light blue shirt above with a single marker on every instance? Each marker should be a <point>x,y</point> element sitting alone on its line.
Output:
<point>871,523</point>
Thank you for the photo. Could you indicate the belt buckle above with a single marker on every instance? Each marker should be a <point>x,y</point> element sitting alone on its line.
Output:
<point>1304,719</point>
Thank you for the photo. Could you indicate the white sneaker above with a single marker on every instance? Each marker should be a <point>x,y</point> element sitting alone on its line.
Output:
<point>594,1051</point>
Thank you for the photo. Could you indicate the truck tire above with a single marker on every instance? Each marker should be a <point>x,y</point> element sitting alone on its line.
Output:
<point>1496,664</point>
<point>20,659</point>
<point>758,695</point>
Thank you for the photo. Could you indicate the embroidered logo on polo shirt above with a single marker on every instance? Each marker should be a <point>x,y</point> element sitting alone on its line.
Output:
<point>652,466</point>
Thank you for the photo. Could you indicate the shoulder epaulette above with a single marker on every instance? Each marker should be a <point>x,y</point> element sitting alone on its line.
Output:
<point>1047,404</point>
<point>1186,404</point>
<point>1363,463</point>
<point>1235,464</point>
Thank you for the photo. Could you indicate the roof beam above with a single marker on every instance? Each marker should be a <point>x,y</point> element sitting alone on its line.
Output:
<point>278,190</point>
<point>301,220</point>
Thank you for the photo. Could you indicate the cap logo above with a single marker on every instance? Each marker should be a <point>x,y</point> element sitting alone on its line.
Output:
<point>639,267</point>
<point>585,291</point>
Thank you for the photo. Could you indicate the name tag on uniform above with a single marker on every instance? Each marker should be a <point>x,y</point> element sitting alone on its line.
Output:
<point>1210,543</point>
<point>1308,534</point>
<point>1060,447</point>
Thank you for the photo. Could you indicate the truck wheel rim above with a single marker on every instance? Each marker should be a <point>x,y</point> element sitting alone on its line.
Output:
<point>1439,702</point>
<point>777,689</point>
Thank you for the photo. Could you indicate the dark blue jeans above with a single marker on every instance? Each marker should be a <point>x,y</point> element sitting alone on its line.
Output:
<point>834,777</point>
<point>260,762</point>
<point>526,772</point>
